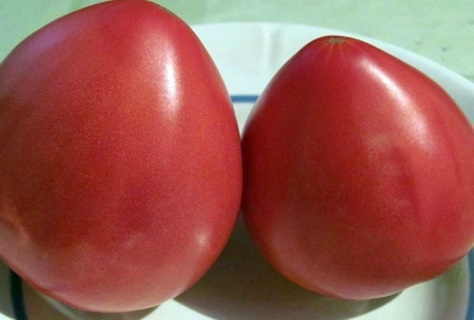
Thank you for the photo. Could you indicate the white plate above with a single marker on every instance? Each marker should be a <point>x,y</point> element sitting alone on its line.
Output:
<point>241,285</point>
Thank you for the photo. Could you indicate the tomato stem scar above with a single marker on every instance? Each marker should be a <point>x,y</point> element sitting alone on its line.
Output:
<point>336,40</point>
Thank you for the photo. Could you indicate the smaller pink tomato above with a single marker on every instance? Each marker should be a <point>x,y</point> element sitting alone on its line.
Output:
<point>358,172</point>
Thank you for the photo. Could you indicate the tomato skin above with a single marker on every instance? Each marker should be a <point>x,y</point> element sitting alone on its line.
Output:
<point>120,161</point>
<point>358,172</point>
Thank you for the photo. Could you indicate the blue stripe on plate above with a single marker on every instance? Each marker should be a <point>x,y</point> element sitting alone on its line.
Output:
<point>470,307</point>
<point>16,294</point>
<point>16,287</point>
<point>244,98</point>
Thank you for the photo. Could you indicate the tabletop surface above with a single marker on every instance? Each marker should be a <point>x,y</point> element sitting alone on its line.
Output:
<point>442,31</point>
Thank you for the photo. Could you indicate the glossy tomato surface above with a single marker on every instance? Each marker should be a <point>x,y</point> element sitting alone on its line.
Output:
<point>358,172</point>
<point>120,163</point>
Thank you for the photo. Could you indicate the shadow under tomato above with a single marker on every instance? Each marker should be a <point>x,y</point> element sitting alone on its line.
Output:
<point>34,305</point>
<point>40,307</point>
<point>242,285</point>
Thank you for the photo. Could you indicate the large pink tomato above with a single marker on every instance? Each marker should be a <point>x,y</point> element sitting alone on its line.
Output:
<point>358,172</point>
<point>120,163</point>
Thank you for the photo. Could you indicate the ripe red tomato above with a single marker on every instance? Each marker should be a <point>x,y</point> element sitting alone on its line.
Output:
<point>120,162</point>
<point>358,172</point>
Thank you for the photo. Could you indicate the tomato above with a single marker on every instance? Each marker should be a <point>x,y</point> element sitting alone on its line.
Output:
<point>120,160</point>
<point>358,172</point>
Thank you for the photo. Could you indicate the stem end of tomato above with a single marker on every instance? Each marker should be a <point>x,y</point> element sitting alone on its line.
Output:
<point>336,40</point>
